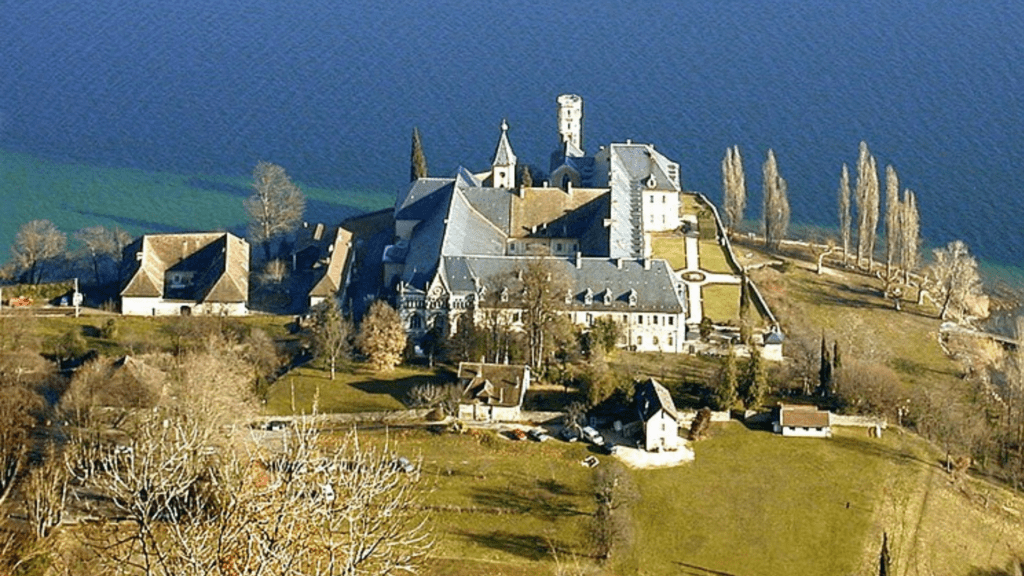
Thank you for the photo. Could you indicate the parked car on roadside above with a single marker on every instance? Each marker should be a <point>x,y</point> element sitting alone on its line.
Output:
<point>517,434</point>
<point>568,434</point>
<point>593,436</point>
<point>539,434</point>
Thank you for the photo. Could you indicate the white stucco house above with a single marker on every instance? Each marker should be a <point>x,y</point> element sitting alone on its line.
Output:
<point>802,421</point>
<point>659,416</point>
<point>184,274</point>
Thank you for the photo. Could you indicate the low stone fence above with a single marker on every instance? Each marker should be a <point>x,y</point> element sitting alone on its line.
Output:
<point>384,417</point>
<point>859,421</point>
<point>686,418</point>
<point>539,417</point>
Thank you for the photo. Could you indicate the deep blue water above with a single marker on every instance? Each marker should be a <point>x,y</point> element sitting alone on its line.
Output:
<point>331,90</point>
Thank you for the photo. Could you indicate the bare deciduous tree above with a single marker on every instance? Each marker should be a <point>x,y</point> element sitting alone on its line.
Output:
<point>541,290</point>
<point>956,279</point>
<point>893,232</point>
<point>776,203</point>
<point>844,211</point>
<point>45,491</point>
<point>275,207</point>
<point>37,242</point>
<point>332,334</point>
<point>910,232</point>
<point>381,336</point>
<point>103,245</point>
<point>734,187</point>
<point>867,198</point>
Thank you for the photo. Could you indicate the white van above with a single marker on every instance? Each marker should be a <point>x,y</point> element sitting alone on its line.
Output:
<point>593,436</point>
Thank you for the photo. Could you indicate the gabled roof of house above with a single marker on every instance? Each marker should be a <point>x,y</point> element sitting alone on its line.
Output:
<point>803,416</point>
<point>328,279</point>
<point>651,397</point>
<point>492,384</point>
<point>217,261</point>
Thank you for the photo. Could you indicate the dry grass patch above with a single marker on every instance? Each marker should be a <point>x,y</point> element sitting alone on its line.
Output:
<point>671,248</point>
<point>713,258</point>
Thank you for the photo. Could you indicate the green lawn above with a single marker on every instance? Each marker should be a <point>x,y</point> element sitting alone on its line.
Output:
<point>500,507</point>
<point>752,504</point>
<point>721,302</point>
<point>712,257</point>
<point>670,248</point>
<point>755,503</point>
<point>354,389</point>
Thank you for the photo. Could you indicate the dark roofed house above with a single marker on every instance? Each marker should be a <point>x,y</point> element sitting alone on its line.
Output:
<point>197,273</point>
<point>492,392</point>
<point>322,257</point>
<point>802,420</point>
<point>658,414</point>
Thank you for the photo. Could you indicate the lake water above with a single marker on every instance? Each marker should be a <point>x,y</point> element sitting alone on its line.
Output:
<point>150,114</point>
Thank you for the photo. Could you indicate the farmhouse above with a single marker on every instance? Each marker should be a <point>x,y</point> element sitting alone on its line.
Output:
<point>196,273</point>
<point>492,392</point>
<point>801,420</point>
<point>658,414</point>
<point>461,244</point>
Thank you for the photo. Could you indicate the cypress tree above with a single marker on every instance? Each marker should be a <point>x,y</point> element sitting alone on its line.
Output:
<point>526,177</point>
<point>837,363</point>
<point>884,562</point>
<point>418,161</point>
<point>825,369</point>
<point>725,395</point>
<point>756,380</point>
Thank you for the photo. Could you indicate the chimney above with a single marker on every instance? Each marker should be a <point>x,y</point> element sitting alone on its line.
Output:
<point>618,263</point>
<point>579,260</point>
<point>647,263</point>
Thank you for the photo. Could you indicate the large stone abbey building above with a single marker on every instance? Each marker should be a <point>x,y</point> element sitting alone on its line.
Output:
<point>460,242</point>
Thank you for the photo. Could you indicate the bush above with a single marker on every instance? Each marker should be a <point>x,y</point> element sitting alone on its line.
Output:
<point>109,329</point>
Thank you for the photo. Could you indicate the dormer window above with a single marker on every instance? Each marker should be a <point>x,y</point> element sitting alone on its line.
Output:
<point>504,295</point>
<point>632,297</point>
<point>588,297</point>
<point>568,297</point>
<point>607,297</point>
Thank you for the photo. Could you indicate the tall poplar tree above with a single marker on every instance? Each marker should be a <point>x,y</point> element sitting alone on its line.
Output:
<point>893,232</point>
<point>910,232</point>
<point>776,203</point>
<point>418,161</point>
<point>866,196</point>
<point>844,211</point>
<point>734,187</point>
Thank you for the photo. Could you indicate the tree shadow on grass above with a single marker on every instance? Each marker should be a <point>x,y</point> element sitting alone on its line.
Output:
<point>876,448</point>
<point>532,547</point>
<point>694,570</point>
<point>397,389</point>
<point>536,503</point>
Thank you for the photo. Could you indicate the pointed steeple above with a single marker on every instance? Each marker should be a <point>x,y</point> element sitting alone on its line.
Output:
<point>503,169</point>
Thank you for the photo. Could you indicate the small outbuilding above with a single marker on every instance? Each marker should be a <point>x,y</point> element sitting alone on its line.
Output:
<point>658,414</point>
<point>802,420</point>
<point>492,392</point>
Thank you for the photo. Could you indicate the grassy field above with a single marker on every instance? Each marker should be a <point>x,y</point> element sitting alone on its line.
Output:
<point>752,503</point>
<point>721,302</point>
<point>712,257</point>
<point>671,248</point>
<point>354,389</point>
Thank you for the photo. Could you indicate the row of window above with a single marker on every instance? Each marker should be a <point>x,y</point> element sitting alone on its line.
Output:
<point>653,319</point>
<point>655,341</point>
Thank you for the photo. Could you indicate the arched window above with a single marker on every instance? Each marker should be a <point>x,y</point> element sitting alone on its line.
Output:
<point>415,322</point>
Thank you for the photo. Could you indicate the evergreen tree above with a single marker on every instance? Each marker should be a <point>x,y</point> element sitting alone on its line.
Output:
<point>756,385</point>
<point>837,361</point>
<point>844,211</point>
<point>825,370</point>
<point>418,162</point>
<point>884,561</point>
<point>776,203</point>
<point>725,393</point>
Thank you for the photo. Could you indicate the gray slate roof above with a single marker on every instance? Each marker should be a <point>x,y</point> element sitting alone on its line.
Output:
<point>651,397</point>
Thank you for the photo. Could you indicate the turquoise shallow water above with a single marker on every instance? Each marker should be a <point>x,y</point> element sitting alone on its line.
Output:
<point>190,95</point>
